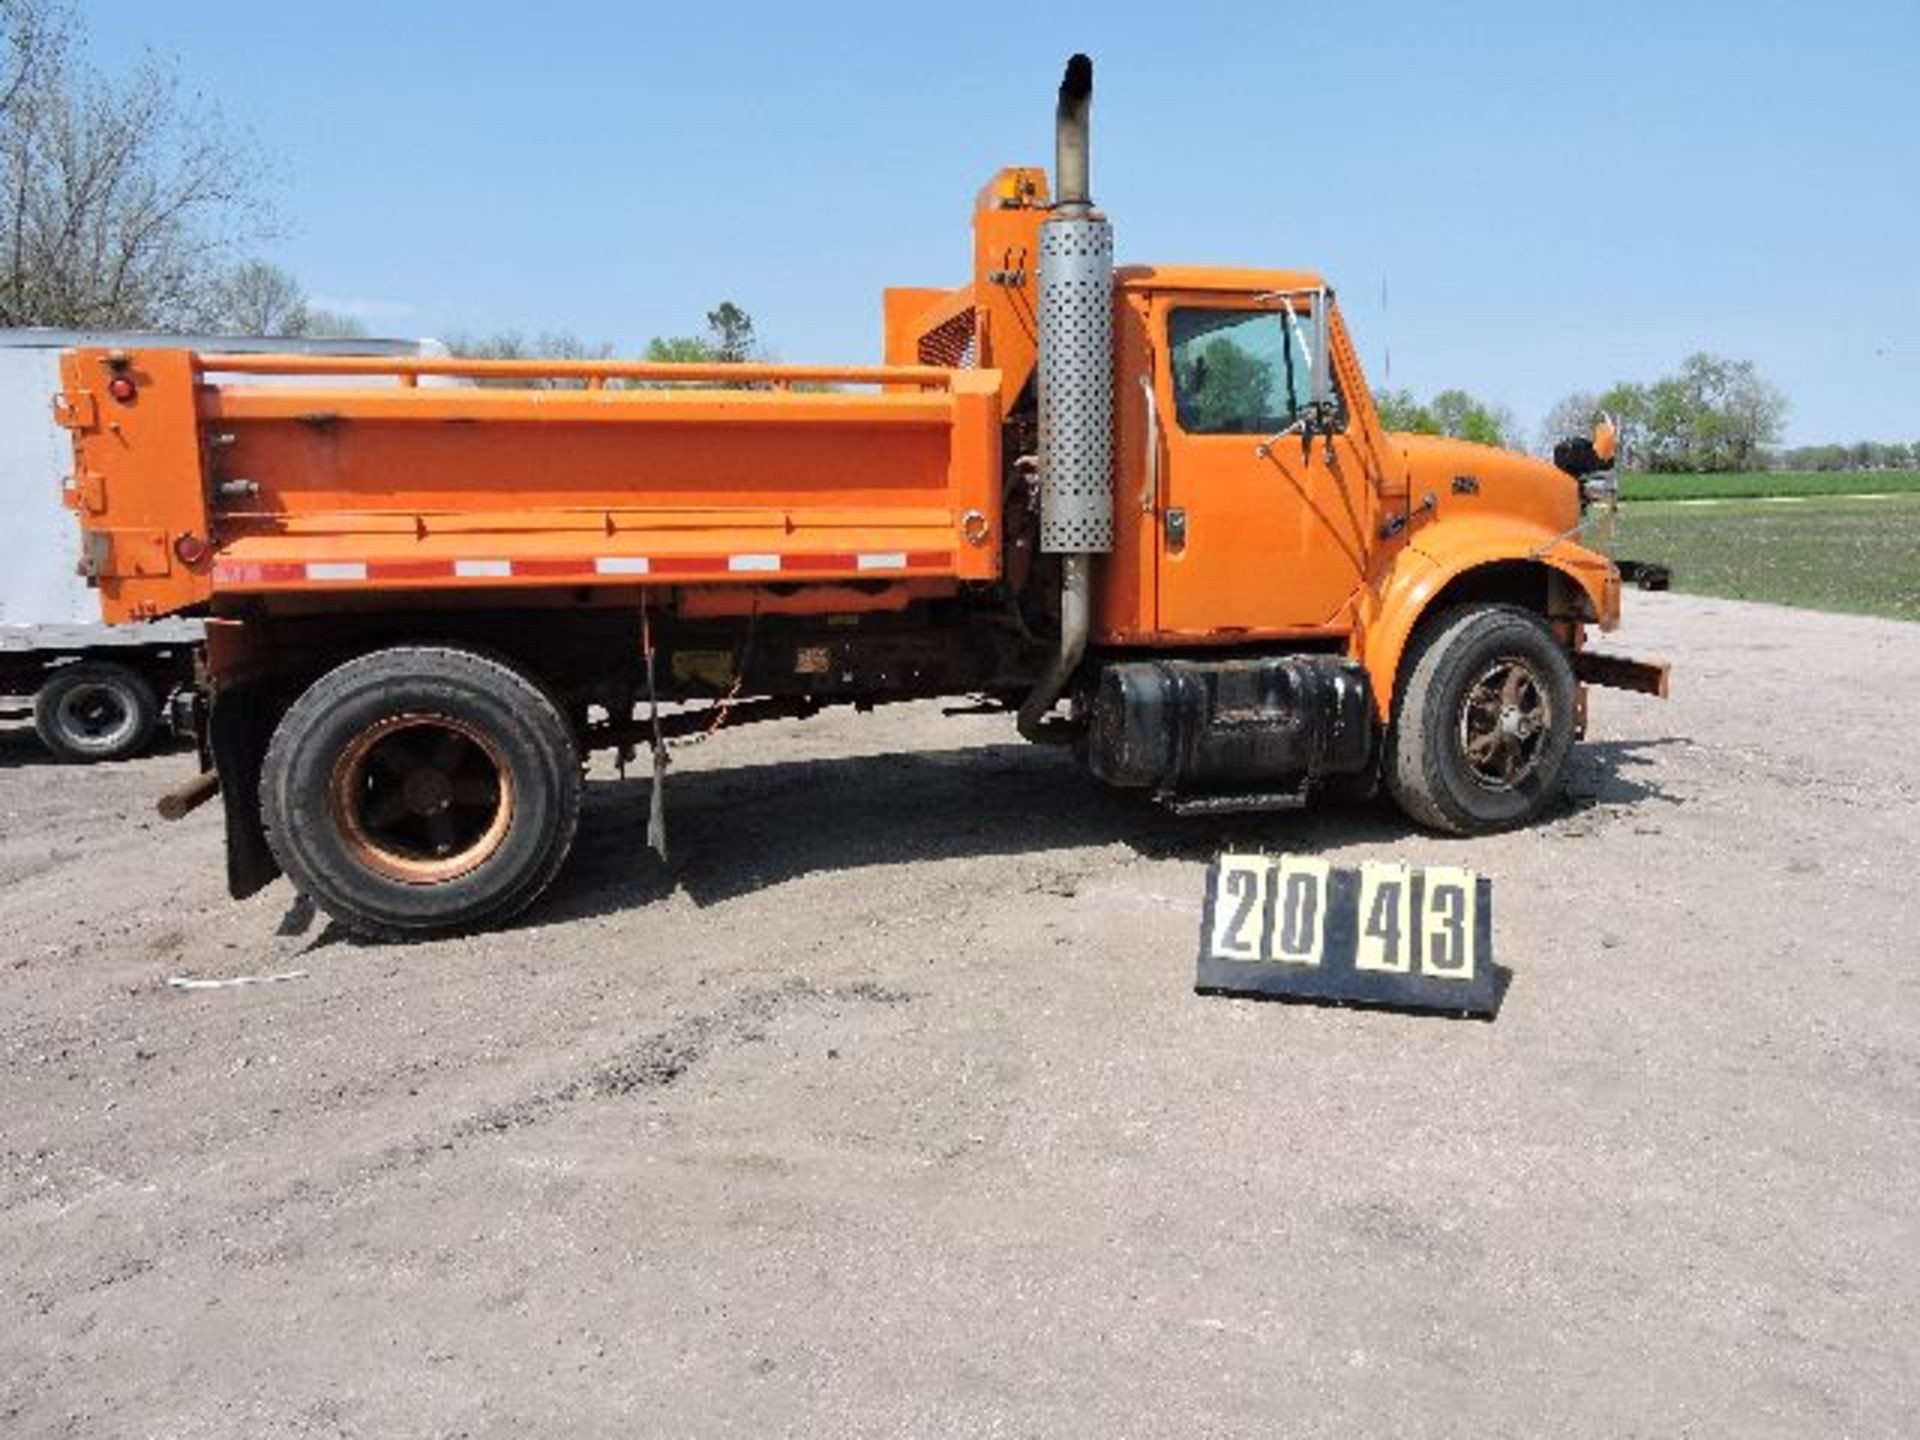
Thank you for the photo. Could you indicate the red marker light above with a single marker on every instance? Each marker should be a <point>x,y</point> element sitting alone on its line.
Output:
<point>190,548</point>
<point>122,389</point>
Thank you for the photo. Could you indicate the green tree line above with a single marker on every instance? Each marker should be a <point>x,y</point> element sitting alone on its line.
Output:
<point>1713,414</point>
<point>729,340</point>
<point>1861,455</point>
<point>1451,412</point>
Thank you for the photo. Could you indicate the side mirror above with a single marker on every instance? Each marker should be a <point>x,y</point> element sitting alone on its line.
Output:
<point>1606,438</point>
<point>1322,314</point>
<point>1585,455</point>
<point>1316,416</point>
<point>1320,409</point>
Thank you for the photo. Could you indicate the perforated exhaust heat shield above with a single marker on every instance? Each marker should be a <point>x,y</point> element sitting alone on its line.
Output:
<point>1076,386</point>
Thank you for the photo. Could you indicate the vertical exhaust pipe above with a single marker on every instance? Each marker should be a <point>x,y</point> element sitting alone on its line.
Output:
<point>1075,391</point>
<point>1072,180</point>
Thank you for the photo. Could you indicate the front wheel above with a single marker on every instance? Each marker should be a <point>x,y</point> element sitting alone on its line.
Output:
<point>1483,722</point>
<point>420,790</point>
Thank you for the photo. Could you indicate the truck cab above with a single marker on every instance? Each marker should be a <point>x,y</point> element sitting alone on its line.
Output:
<point>1271,506</point>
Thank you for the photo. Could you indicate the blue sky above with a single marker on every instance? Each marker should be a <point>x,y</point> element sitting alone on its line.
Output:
<point>1519,198</point>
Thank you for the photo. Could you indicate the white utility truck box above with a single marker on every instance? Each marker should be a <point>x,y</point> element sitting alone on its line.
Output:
<point>96,690</point>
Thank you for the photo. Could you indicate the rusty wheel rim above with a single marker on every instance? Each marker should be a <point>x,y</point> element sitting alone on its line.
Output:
<point>1504,723</point>
<point>422,799</point>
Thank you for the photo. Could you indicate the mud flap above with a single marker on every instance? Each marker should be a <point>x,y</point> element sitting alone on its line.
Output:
<point>238,726</point>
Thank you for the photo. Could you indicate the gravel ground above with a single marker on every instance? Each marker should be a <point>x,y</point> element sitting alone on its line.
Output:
<point>890,1110</point>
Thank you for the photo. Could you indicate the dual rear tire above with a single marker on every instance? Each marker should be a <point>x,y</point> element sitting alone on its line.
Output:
<point>95,710</point>
<point>421,790</point>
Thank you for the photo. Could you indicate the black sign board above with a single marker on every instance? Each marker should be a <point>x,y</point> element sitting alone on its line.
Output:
<point>1293,927</point>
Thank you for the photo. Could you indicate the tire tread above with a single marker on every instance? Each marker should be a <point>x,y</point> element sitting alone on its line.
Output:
<point>46,709</point>
<point>1412,763</point>
<point>290,829</point>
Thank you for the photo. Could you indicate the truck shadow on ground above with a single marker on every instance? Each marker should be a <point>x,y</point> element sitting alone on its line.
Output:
<point>742,829</point>
<point>20,747</point>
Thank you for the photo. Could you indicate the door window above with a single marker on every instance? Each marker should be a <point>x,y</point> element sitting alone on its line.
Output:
<point>1242,372</point>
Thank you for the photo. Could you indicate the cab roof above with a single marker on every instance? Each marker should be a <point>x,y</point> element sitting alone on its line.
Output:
<point>1213,277</point>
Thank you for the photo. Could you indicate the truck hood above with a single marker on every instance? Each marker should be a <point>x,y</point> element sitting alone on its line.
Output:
<point>1503,480</point>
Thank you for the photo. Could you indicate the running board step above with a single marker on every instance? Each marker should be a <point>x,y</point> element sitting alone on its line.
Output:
<point>1234,804</point>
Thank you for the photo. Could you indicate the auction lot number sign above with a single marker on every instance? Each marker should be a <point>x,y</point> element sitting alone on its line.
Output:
<point>1379,934</point>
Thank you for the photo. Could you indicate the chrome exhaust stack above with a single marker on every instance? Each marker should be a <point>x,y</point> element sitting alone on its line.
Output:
<point>1075,390</point>
<point>1072,178</point>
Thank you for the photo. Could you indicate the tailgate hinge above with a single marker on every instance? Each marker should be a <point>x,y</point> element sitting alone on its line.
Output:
<point>76,410</point>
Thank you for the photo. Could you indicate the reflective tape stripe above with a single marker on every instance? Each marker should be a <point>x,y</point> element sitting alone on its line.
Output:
<point>275,572</point>
<point>558,569</point>
<point>802,566</point>
<point>410,569</point>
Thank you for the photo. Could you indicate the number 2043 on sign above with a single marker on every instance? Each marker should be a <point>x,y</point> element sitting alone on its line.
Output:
<point>1411,937</point>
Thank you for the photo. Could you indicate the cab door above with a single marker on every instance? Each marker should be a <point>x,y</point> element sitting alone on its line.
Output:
<point>1259,532</point>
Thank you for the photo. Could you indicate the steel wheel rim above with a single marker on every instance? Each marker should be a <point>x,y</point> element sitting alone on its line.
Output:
<point>97,717</point>
<point>422,799</point>
<point>1505,720</point>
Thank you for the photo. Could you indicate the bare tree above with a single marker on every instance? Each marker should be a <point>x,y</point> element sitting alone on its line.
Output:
<point>1571,416</point>
<point>512,345</point>
<point>255,298</point>
<point>123,199</point>
<point>325,324</point>
<point>33,46</point>
<point>729,339</point>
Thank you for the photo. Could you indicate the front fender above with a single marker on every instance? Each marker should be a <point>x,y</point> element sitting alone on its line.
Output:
<point>1443,554</point>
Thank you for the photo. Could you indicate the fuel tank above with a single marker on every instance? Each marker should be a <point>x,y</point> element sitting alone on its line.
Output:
<point>1188,727</point>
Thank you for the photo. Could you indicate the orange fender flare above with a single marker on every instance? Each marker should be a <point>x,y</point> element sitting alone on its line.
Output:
<point>1441,554</point>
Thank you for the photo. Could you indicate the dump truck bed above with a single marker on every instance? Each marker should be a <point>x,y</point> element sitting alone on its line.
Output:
<point>206,479</point>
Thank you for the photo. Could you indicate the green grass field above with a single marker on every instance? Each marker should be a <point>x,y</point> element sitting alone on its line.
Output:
<point>1766,483</point>
<point>1860,556</point>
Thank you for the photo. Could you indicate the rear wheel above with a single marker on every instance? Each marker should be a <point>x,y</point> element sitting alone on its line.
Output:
<point>95,710</point>
<point>415,791</point>
<point>1483,722</point>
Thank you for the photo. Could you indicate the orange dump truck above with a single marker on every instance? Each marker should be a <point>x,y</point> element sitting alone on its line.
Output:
<point>1150,511</point>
